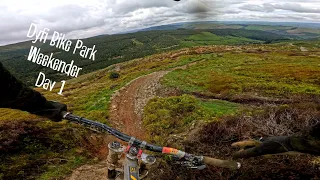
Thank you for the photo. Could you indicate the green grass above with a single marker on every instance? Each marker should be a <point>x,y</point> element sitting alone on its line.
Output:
<point>136,42</point>
<point>304,30</point>
<point>219,108</point>
<point>267,28</point>
<point>59,171</point>
<point>272,74</point>
<point>269,73</point>
<point>214,26</point>
<point>95,105</point>
<point>207,38</point>
<point>311,44</point>
<point>89,95</point>
<point>166,116</point>
<point>41,149</point>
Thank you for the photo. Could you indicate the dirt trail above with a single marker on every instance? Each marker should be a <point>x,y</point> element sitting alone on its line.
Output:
<point>126,115</point>
<point>128,103</point>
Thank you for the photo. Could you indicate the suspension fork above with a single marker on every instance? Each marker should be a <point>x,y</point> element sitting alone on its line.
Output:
<point>115,150</point>
<point>130,164</point>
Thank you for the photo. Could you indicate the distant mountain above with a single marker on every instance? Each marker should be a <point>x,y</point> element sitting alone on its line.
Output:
<point>294,24</point>
<point>225,24</point>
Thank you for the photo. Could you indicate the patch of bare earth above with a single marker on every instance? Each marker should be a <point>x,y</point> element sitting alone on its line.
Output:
<point>303,49</point>
<point>91,172</point>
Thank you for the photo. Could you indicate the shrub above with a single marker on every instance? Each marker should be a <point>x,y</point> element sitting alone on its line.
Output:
<point>25,145</point>
<point>220,84</point>
<point>114,75</point>
<point>163,116</point>
<point>215,138</point>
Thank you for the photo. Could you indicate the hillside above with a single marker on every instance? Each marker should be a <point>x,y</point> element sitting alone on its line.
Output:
<point>112,49</point>
<point>198,90</point>
<point>304,30</point>
<point>225,83</point>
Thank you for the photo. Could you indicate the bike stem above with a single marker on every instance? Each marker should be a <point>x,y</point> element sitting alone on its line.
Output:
<point>131,167</point>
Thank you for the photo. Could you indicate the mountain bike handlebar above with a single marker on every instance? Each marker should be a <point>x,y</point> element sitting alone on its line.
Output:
<point>151,147</point>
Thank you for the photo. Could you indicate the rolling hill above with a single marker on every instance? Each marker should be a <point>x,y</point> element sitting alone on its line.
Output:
<point>218,86</point>
<point>117,48</point>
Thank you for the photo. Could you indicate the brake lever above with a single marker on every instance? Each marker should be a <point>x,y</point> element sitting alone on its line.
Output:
<point>190,165</point>
<point>192,162</point>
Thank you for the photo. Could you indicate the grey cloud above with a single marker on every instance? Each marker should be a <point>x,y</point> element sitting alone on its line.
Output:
<point>69,18</point>
<point>269,7</point>
<point>124,6</point>
<point>197,10</point>
<point>114,16</point>
<point>148,17</point>
<point>279,17</point>
<point>66,11</point>
<point>13,28</point>
<point>283,16</point>
<point>296,8</point>
<point>259,8</point>
<point>63,19</point>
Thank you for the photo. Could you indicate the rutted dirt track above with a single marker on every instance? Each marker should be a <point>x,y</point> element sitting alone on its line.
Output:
<point>126,115</point>
<point>127,104</point>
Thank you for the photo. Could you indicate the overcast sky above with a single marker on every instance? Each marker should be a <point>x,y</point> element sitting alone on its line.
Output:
<point>86,18</point>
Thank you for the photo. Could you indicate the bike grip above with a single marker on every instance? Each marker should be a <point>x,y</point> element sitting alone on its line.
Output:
<point>221,163</point>
<point>64,113</point>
